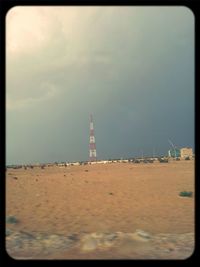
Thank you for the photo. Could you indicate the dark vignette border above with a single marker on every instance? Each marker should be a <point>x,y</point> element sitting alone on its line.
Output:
<point>5,6</point>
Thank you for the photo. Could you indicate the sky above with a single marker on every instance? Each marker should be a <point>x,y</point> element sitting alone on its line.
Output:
<point>131,67</point>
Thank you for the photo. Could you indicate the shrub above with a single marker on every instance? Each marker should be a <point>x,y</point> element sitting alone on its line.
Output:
<point>162,160</point>
<point>11,219</point>
<point>8,232</point>
<point>185,194</point>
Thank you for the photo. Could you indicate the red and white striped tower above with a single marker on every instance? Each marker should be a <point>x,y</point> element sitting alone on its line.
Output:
<point>93,152</point>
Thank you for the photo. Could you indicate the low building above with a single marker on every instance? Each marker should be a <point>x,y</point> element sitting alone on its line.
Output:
<point>77,163</point>
<point>186,152</point>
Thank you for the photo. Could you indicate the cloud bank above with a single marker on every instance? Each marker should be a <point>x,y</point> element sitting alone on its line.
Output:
<point>132,67</point>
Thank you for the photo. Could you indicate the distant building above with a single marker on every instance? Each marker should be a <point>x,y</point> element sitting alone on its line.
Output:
<point>186,152</point>
<point>76,163</point>
<point>174,153</point>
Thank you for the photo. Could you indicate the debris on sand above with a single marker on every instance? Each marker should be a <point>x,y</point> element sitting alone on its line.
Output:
<point>123,245</point>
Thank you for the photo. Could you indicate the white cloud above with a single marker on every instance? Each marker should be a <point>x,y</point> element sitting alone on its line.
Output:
<point>31,28</point>
<point>27,30</point>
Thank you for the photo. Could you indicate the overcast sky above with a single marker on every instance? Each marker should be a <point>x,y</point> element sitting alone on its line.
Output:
<point>131,67</point>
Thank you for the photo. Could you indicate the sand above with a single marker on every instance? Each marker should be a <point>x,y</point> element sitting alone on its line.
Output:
<point>102,198</point>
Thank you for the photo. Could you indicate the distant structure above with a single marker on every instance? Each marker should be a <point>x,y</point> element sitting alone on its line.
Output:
<point>186,152</point>
<point>174,153</point>
<point>183,153</point>
<point>92,145</point>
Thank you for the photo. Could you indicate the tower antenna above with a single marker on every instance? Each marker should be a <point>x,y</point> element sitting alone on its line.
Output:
<point>92,145</point>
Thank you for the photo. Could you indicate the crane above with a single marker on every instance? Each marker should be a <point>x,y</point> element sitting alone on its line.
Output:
<point>173,147</point>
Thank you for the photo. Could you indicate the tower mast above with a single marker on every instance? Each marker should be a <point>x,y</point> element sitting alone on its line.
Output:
<point>92,145</point>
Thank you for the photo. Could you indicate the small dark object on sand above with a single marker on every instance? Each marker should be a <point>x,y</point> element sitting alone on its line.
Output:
<point>8,232</point>
<point>11,219</point>
<point>185,194</point>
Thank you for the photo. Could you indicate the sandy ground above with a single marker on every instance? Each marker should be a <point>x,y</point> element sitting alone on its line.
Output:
<point>102,198</point>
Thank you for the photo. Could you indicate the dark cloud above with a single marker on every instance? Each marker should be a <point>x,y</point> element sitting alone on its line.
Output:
<point>133,68</point>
